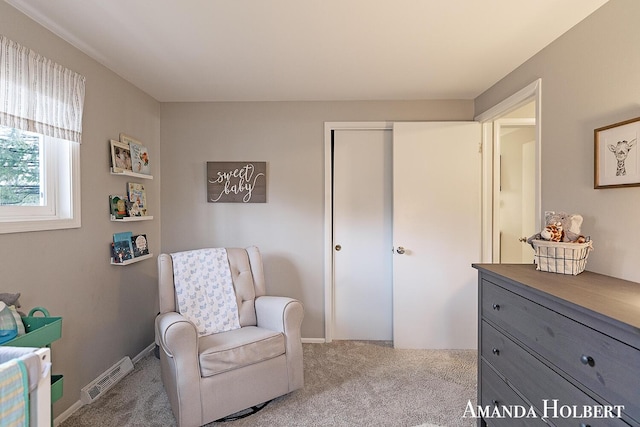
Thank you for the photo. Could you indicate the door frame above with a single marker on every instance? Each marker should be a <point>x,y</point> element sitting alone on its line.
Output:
<point>532,92</point>
<point>329,282</point>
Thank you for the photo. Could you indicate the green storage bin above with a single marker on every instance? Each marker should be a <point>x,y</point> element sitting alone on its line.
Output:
<point>40,330</point>
<point>56,387</point>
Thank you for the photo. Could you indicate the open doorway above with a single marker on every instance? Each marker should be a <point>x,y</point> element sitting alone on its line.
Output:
<point>515,141</point>
<point>511,179</point>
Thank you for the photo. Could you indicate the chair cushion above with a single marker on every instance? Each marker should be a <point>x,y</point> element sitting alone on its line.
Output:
<point>244,284</point>
<point>241,347</point>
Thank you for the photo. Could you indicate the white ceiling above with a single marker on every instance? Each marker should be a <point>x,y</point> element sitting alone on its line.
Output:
<point>279,50</point>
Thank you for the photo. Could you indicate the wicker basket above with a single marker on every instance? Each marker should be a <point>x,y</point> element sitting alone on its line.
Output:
<point>559,257</point>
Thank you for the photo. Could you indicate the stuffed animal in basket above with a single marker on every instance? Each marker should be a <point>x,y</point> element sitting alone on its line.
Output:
<point>553,232</point>
<point>570,224</point>
<point>560,227</point>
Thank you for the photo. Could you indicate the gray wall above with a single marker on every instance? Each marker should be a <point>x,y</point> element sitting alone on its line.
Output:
<point>289,136</point>
<point>590,78</point>
<point>107,311</point>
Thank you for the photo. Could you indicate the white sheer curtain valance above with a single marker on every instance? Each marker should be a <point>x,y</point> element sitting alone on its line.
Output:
<point>38,95</point>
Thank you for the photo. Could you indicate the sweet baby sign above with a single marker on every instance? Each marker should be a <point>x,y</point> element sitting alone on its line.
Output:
<point>236,182</point>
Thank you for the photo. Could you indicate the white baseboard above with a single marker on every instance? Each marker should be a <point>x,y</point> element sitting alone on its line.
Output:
<point>66,414</point>
<point>313,341</point>
<point>73,408</point>
<point>144,353</point>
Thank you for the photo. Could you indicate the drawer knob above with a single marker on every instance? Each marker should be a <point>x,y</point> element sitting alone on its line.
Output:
<point>496,307</point>
<point>587,360</point>
<point>496,351</point>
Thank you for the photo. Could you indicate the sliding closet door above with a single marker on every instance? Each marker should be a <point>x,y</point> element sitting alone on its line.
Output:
<point>436,233</point>
<point>362,234</point>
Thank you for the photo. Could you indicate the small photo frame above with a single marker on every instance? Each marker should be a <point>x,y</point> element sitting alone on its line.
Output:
<point>120,156</point>
<point>616,155</point>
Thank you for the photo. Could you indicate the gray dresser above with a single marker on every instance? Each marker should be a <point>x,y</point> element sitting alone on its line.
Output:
<point>557,349</point>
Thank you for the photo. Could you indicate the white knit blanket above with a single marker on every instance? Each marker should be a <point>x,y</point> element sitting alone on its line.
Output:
<point>204,290</point>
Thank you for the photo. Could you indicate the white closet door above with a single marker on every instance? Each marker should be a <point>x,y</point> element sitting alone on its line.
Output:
<point>437,222</point>
<point>362,234</point>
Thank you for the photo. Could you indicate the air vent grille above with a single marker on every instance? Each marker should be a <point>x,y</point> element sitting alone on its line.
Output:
<point>105,381</point>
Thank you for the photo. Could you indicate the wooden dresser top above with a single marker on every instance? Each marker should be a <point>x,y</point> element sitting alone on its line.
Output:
<point>615,298</point>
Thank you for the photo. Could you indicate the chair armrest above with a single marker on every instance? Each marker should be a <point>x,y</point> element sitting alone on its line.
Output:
<point>176,335</point>
<point>177,338</point>
<point>285,315</point>
<point>280,314</point>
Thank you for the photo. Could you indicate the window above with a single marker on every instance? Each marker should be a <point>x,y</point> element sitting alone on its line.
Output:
<point>36,182</point>
<point>40,131</point>
<point>22,181</point>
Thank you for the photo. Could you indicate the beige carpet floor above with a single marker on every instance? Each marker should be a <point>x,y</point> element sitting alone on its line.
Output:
<point>347,383</point>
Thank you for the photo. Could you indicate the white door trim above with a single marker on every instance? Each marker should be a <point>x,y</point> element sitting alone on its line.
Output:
<point>533,91</point>
<point>328,213</point>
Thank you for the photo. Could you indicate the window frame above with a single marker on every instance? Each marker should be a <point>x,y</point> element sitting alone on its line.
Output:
<point>62,193</point>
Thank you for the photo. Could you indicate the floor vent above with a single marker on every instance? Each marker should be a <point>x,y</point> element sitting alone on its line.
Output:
<point>105,381</point>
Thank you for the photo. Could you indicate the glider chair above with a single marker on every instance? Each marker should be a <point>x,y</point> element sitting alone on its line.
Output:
<point>208,376</point>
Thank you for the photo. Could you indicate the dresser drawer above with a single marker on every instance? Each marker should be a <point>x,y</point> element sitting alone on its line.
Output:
<point>497,394</point>
<point>548,392</point>
<point>608,367</point>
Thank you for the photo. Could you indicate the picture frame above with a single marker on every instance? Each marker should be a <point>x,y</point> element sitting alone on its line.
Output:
<point>139,154</point>
<point>616,155</point>
<point>120,156</point>
<point>237,182</point>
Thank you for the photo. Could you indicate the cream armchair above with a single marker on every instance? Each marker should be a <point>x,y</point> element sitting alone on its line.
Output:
<point>210,377</point>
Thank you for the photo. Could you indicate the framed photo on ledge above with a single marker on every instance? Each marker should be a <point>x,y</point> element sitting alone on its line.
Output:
<point>616,155</point>
<point>120,156</point>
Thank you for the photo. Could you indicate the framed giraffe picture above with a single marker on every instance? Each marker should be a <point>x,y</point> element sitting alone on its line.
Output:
<point>616,155</point>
